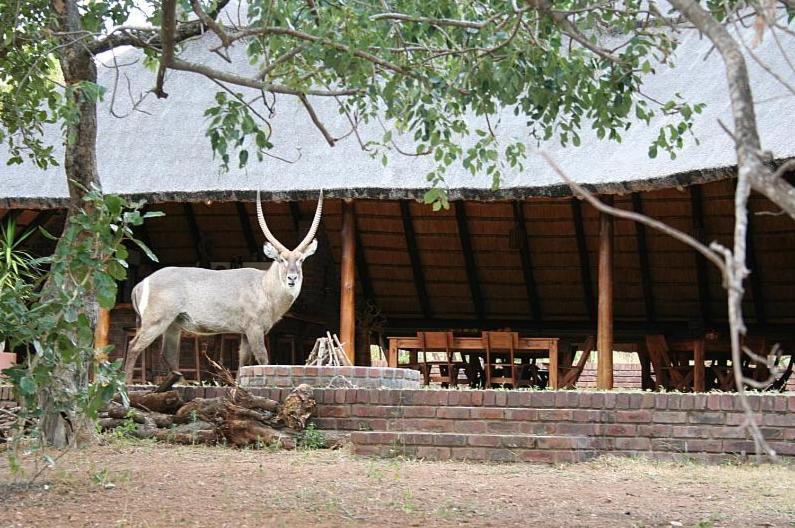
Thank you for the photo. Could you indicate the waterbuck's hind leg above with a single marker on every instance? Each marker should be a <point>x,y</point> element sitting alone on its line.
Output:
<point>256,342</point>
<point>147,333</point>
<point>170,348</point>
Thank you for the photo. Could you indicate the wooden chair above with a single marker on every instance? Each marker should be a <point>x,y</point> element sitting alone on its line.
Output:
<point>670,374</point>
<point>439,342</point>
<point>501,367</point>
<point>570,375</point>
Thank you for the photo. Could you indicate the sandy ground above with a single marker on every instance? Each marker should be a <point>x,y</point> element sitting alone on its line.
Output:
<point>128,483</point>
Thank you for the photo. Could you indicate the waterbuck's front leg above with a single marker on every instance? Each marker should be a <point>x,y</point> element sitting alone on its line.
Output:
<point>243,353</point>
<point>256,342</point>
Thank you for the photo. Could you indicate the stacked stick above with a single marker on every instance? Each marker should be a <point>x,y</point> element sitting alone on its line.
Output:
<point>238,418</point>
<point>328,351</point>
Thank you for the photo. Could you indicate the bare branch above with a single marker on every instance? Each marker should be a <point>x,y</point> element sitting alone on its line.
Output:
<point>316,120</point>
<point>210,23</point>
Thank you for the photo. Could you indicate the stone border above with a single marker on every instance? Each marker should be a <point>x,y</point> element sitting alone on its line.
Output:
<point>336,377</point>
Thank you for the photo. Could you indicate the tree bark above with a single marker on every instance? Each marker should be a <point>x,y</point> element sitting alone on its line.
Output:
<point>60,428</point>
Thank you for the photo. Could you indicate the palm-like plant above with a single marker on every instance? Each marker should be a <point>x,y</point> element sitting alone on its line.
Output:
<point>15,264</point>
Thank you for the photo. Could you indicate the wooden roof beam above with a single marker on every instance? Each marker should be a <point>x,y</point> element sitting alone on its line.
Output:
<point>755,277</point>
<point>702,273</point>
<point>361,264</point>
<point>414,256</point>
<point>585,265</point>
<point>527,264</point>
<point>40,221</point>
<point>196,235</point>
<point>643,260</point>
<point>469,260</point>
<point>248,232</point>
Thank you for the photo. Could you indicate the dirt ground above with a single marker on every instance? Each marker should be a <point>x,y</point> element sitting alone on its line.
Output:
<point>142,484</point>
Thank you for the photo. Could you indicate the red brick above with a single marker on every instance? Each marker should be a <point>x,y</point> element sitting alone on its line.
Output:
<point>704,446</point>
<point>453,413</point>
<point>640,415</point>
<point>484,440</point>
<point>622,401</point>
<point>783,448</point>
<point>781,420</point>
<point>585,400</point>
<point>661,401</point>
<point>518,442</point>
<point>487,413</point>
<point>519,398</point>
<point>433,453</point>
<point>727,402</point>
<point>469,426</point>
<point>668,444</point>
<point>791,403</point>
<point>654,430</point>
<point>598,400</point>
<point>417,438</point>
<point>728,432</point>
<point>586,415</point>
<point>689,431</point>
<point>469,453</point>
<point>555,415</point>
<point>536,428</point>
<point>619,429</point>
<point>635,444</point>
<point>521,414</point>
<point>460,398</point>
<point>503,427</point>
<point>333,411</point>
<point>360,372</point>
<point>428,424</point>
<point>489,397</point>
<point>501,455</point>
<point>780,403</point>
<point>717,418</point>
<point>477,398</point>
<point>737,446</point>
<point>368,450</point>
<point>610,400</point>
<point>578,429</point>
<point>419,411</point>
<point>558,442</point>
<point>713,402</point>
<point>542,399</point>
<point>669,417</point>
<point>546,457</point>
<point>450,440</point>
<point>636,401</point>
<point>501,399</point>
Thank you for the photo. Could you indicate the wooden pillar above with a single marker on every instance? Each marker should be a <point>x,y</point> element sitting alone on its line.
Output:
<point>604,331</point>
<point>102,329</point>
<point>348,281</point>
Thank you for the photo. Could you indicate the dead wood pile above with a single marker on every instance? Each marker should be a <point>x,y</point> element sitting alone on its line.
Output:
<point>238,418</point>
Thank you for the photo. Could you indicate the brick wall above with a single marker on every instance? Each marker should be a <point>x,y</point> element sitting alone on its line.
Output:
<point>565,426</point>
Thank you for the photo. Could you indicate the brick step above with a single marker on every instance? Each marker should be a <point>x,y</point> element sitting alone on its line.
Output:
<point>492,447</point>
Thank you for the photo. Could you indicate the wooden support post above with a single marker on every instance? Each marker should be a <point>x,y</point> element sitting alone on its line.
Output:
<point>604,334</point>
<point>699,382</point>
<point>585,266</point>
<point>348,281</point>
<point>102,330</point>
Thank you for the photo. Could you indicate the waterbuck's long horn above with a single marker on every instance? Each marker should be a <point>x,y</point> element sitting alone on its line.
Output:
<point>315,223</point>
<point>267,232</point>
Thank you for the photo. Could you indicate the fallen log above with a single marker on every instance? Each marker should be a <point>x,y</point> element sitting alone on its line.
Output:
<point>164,402</point>
<point>169,382</point>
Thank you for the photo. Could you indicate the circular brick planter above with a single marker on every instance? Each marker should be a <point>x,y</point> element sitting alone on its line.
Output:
<point>336,377</point>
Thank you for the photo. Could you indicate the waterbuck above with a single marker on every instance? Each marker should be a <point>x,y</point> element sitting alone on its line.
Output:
<point>243,301</point>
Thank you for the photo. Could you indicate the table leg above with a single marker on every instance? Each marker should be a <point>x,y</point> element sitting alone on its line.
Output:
<point>698,366</point>
<point>392,357</point>
<point>553,366</point>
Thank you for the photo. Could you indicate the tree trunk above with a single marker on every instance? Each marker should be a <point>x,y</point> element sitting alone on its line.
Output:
<point>60,428</point>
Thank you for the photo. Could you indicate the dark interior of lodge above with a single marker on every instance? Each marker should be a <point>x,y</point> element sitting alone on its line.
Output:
<point>502,292</point>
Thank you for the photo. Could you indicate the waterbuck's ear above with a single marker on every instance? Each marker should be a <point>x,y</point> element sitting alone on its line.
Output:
<point>310,249</point>
<point>270,251</point>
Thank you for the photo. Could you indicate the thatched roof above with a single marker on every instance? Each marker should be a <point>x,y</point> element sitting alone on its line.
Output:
<point>163,155</point>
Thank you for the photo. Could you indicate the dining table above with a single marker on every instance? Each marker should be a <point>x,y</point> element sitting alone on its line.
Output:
<point>527,347</point>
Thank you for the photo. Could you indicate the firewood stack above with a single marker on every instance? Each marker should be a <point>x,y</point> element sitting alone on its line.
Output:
<point>238,418</point>
<point>328,352</point>
<point>10,422</point>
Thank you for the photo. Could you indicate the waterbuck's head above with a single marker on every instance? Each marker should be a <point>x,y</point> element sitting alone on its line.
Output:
<point>289,262</point>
